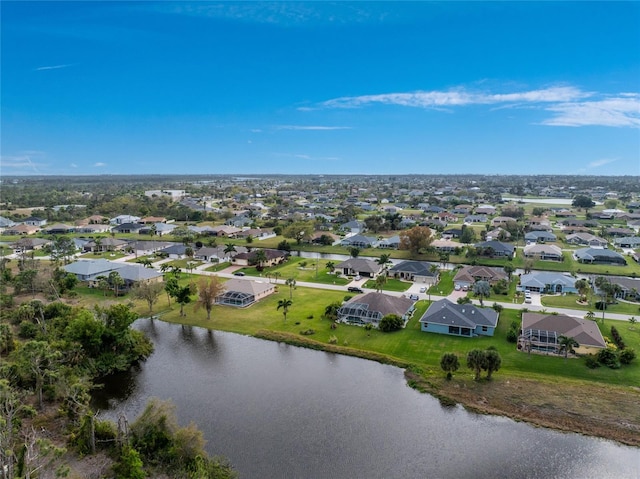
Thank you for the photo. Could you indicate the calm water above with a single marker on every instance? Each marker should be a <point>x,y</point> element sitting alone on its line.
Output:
<point>277,411</point>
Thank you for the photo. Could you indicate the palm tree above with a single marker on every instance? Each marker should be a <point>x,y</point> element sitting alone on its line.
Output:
<point>103,284</point>
<point>229,248</point>
<point>383,260</point>
<point>482,289</point>
<point>567,344</point>
<point>590,315</point>
<point>449,363</point>
<point>583,287</point>
<point>475,361</point>
<point>260,257</point>
<point>276,275</point>
<point>492,361</point>
<point>183,296</point>
<point>284,304</point>
<point>331,266</point>
<point>116,281</point>
<point>381,279</point>
<point>291,282</point>
<point>509,269</point>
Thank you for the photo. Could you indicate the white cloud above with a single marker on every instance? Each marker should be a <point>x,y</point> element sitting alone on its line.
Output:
<point>569,106</point>
<point>52,67</point>
<point>23,161</point>
<point>620,111</point>
<point>312,127</point>
<point>99,164</point>
<point>602,162</point>
<point>457,97</point>
<point>73,165</point>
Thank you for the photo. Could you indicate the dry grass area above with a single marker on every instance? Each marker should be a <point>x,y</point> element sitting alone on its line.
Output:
<point>605,411</point>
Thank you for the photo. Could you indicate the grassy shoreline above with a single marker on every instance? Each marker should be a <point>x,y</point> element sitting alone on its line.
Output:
<point>541,390</point>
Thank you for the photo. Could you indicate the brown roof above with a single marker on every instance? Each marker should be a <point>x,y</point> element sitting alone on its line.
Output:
<point>471,273</point>
<point>584,331</point>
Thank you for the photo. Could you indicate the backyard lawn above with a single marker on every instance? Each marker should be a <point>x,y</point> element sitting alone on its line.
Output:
<point>300,269</point>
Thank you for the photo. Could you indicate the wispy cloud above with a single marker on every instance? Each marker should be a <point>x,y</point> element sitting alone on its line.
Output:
<point>73,165</point>
<point>620,111</point>
<point>99,164</point>
<point>569,106</point>
<point>301,156</point>
<point>599,163</point>
<point>457,97</point>
<point>27,161</point>
<point>311,127</point>
<point>52,67</point>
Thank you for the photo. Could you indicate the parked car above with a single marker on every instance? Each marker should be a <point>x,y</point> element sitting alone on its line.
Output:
<point>423,289</point>
<point>457,287</point>
<point>357,277</point>
<point>239,273</point>
<point>354,289</point>
<point>414,297</point>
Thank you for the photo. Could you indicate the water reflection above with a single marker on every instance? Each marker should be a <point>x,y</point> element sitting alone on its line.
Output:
<point>280,411</point>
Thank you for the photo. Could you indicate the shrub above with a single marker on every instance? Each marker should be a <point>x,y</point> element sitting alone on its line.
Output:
<point>307,332</point>
<point>608,357</point>
<point>591,362</point>
<point>391,322</point>
<point>333,339</point>
<point>512,336</point>
<point>27,330</point>
<point>626,356</point>
<point>615,335</point>
<point>310,316</point>
<point>497,307</point>
<point>464,300</point>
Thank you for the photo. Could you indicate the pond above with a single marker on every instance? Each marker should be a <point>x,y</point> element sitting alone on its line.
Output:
<point>275,410</point>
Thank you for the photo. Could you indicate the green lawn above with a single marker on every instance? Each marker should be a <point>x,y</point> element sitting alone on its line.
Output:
<point>218,267</point>
<point>409,345</point>
<point>569,301</point>
<point>301,269</point>
<point>391,284</point>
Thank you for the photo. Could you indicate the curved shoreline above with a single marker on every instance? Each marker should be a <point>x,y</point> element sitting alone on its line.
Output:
<point>568,406</point>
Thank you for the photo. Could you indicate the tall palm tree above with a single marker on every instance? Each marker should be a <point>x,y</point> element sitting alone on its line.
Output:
<point>331,266</point>
<point>476,361</point>
<point>116,281</point>
<point>381,279</point>
<point>284,304</point>
<point>482,289</point>
<point>229,248</point>
<point>567,344</point>
<point>276,275</point>
<point>260,257</point>
<point>383,260</point>
<point>291,282</point>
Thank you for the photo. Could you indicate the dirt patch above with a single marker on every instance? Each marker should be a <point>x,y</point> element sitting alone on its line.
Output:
<point>605,411</point>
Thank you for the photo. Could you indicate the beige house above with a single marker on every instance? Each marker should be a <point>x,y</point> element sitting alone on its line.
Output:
<point>540,333</point>
<point>243,292</point>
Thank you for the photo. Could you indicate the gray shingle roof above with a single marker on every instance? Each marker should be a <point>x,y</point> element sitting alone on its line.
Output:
<point>465,315</point>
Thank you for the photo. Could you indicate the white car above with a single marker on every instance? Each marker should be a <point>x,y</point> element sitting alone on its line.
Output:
<point>457,287</point>
<point>423,289</point>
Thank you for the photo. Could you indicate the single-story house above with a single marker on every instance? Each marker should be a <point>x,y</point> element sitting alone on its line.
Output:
<point>543,252</point>
<point>468,275</point>
<point>446,245</point>
<point>370,308</point>
<point>124,219</point>
<point>60,229</point>
<point>21,230</point>
<point>127,228</point>
<point>35,221</point>
<point>541,332</point>
<point>629,287</point>
<point>243,292</point>
<point>93,228</point>
<point>354,226</point>
<point>540,236</point>
<point>105,244</point>
<point>475,219</point>
<point>548,282</point>
<point>390,243</point>
<point>627,242</point>
<point>30,244</point>
<point>486,210</point>
<point>174,251</point>
<point>498,234</point>
<point>273,257</point>
<point>6,223</point>
<point>502,220</point>
<point>157,229</point>
<point>619,232</point>
<point>149,220</point>
<point>418,271</point>
<point>359,266</point>
<point>226,231</point>
<point>539,223</point>
<point>586,239</point>
<point>359,241</point>
<point>599,256</point>
<point>445,317</point>
<point>495,249</point>
<point>131,273</point>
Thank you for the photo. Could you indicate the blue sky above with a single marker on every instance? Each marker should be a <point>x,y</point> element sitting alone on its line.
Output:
<point>320,87</point>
